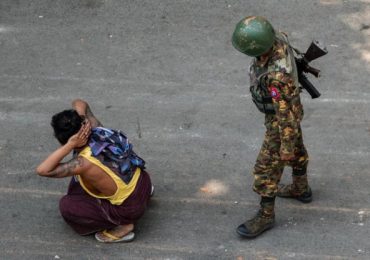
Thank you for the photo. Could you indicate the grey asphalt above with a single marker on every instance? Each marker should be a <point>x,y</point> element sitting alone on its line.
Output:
<point>166,73</point>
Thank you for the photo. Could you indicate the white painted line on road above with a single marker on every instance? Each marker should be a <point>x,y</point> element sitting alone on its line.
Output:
<point>201,201</point>
<point>228,203</point>
<point>100,80</point>
<point>174,84</point>
<point>5,29</point>
<point>344,100</point>
<point>178,84</point>
<point>29,100</point>
<point>40,192</point>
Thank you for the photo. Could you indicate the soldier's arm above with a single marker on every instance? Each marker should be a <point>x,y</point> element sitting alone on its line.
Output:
<point>282,91</point>
<point>83,109</point>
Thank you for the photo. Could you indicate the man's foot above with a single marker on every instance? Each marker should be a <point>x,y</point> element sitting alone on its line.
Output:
<point>255,226</point>
<point>288,191</point>
<point>122,233</point>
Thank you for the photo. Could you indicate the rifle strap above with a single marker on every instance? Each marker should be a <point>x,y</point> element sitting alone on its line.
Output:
<point>285,39</point>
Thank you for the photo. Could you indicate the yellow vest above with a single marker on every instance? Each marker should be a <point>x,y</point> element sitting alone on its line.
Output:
<point>123,190</point>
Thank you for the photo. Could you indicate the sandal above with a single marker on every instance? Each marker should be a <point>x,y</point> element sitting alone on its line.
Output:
<point>113,239</point>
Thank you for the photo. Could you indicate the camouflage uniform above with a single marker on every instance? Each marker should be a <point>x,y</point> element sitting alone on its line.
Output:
<point>275,91</point>
<point>277,74</point>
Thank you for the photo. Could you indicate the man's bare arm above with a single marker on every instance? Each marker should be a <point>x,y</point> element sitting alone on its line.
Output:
<point>52,164</point>
<point>69,168</point>
<point>83,109</point>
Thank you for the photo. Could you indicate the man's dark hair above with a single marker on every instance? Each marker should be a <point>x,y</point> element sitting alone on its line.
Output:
<point>66,124</point>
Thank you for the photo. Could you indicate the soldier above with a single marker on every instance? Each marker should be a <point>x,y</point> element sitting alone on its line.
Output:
<point>275,91</point>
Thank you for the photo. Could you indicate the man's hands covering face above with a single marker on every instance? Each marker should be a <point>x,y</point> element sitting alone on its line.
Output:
<point>82,136</point>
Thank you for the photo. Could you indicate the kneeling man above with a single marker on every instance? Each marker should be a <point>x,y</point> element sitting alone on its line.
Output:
<point>110,189</point>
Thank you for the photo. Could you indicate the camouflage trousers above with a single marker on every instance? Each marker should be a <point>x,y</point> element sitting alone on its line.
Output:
<point>269,167</point>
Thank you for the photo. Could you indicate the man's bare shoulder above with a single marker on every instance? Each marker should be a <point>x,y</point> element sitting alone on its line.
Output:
<point>90,169</point>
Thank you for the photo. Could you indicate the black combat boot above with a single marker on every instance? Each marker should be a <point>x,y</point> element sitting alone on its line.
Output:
<point>264,220</point>
<point>298,190</point>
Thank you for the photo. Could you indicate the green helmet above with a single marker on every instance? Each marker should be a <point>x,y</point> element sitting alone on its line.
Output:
<point>253,36</point>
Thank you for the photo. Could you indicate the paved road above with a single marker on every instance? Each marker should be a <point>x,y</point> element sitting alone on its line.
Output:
<point>166,73</point>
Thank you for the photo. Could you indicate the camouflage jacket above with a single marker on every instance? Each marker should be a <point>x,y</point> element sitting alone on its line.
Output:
<point>277,73</point>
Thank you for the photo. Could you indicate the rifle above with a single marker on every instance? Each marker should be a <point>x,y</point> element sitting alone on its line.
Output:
<point>316,50</point>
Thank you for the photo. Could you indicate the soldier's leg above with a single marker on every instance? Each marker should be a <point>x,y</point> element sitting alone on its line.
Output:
<point>299,189</point>
<point>267,177</point>
<point>267,173</point>
<point>268,168</point>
